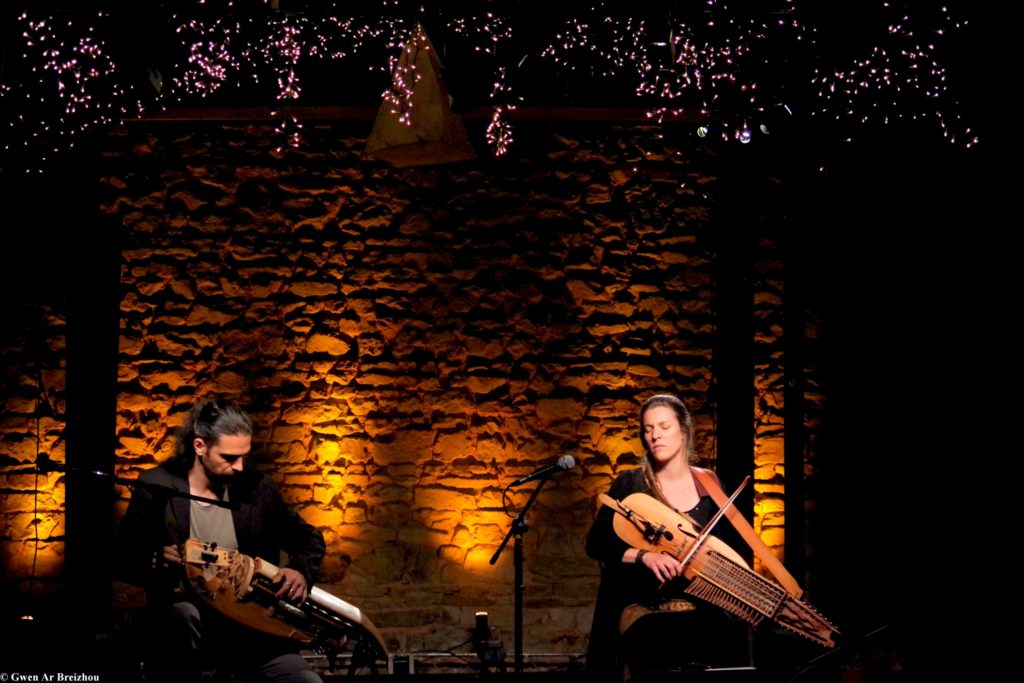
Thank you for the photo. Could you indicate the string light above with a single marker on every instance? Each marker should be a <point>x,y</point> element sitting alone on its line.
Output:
<point>499,130</point>
<point>405,76</point>
<point>287,47</point>
<point>494,32</point>
<point>290,129</point>
<point>70,89</point>
<point>210,61</point>
<point>726,67</point>
<point>898,81</point>
<point>713,66</point>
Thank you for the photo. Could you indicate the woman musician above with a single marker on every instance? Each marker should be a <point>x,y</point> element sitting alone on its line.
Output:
<point>642,619</point>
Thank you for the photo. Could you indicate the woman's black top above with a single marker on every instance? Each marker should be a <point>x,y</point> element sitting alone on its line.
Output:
<point>624,584</point>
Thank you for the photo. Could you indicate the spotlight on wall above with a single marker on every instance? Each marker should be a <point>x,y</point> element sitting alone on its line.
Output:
<point>487,644</point>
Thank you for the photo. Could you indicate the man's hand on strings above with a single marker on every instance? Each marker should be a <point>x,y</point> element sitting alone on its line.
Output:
<point>293,586</point>
<point>171,555</point>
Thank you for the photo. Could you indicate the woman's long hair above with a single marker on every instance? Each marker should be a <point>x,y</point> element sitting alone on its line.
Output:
<point>208,420</point>
<point>685,424</point>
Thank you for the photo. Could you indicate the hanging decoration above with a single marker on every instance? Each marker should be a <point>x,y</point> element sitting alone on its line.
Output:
<point>415,125</point>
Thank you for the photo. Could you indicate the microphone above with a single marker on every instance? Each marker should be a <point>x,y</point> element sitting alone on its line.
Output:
<point>566,462</point>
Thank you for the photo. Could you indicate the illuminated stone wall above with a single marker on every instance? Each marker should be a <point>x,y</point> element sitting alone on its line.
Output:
<point>410,341</point>
<point>32,367</point>
<point>769,381</point>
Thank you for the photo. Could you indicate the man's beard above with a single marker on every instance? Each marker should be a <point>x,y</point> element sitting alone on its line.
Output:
<point>221,480</point>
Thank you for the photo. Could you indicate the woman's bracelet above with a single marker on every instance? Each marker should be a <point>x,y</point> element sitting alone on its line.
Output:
<point>640,555</point>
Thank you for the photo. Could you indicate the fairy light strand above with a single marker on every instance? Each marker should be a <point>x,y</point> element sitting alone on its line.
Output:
<point>735,70</point>
<point>903,80</point>
<point>70,89</point>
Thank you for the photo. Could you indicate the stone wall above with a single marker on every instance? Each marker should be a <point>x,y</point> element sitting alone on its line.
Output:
<point>32,371</point>
<point>412,340</point>
<point>769,389</point>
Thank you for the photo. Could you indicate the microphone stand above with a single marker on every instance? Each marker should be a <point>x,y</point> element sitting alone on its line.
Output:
<point>44,465</point>
<point>518,528</point>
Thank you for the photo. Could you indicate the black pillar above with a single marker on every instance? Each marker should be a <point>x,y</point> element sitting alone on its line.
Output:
<point>733,359</point>
<point>92,337</point>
